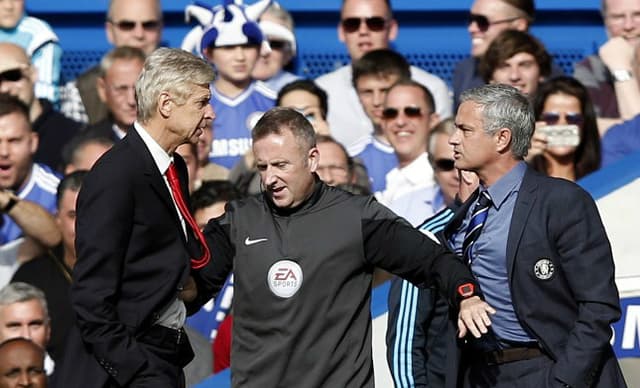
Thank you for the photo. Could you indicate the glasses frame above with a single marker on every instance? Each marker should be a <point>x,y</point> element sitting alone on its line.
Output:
<point>409,111</point>
<point>11,75</point>
<point>444,165</point>
<point>130,25</point>
<point>572,118</point>
<point>374,23</point>
<point>484,23</point>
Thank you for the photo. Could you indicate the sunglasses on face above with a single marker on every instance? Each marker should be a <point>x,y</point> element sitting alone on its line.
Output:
<point>374,23</point>
<point>129,25</point>
<point>483,22</point>
<point>409,111</point>
<point>444,164</point>
<point>552,118</point>
<point>11,75</point>
<point>277,44</point>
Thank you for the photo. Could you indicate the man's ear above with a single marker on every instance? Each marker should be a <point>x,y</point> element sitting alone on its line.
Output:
<point>313,158</point>
<point>165,104</point>
<point>101,88</point>
<point>393,30</point>
<point>503,139</point>
<point>340,33</point>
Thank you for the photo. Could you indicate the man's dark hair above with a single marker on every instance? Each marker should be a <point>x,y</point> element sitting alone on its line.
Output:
<point>428,97</point>
<point>72,181</point>
<point>74,147</point>
<point>510,43</point>
<point>212,192</point>
<point>306,85</point>
<point>10,104</point>
<point>382,63</point>
<point>278,120</point>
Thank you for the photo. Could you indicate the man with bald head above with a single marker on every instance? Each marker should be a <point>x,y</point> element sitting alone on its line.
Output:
<point>128,23</point>
<point>21,364</point>
<point>17,78</point>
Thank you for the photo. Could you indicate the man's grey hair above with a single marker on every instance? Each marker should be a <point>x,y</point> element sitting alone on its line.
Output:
<point>170,70</point>
<point>503,106</point>
<point>22,292</point>
<point>120,53</point>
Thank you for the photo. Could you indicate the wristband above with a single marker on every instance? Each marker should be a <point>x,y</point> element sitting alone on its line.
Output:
<point>466,290</point>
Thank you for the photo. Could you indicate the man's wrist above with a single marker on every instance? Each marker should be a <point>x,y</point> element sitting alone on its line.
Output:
<point>10,204</point>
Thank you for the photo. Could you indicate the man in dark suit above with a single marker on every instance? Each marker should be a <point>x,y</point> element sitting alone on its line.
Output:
<point>552,279</point>
<point>134,241</point>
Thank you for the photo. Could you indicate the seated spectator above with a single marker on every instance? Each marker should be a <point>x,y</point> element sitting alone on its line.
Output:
<point>565,101</point>
<point>611,77</point>
<point>51,272</point>
<point>21,364</point>
<point>373,76</point>
<point>621,140</point>
<point>277,24</point>
<point>128,23</point>
<point>83,151</point>
<point>17,78</point>
<point>367,25</point>
<point>207,170</point>
<point>27,198</point>
<point>24,314</point>
<point>335,166</point>
<point>518,59</point>
<point>189,153</point>
<point>39,41</point>
<point>119,70</point>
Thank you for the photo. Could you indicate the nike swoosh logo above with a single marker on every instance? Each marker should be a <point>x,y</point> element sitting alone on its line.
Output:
<point>249,241</point>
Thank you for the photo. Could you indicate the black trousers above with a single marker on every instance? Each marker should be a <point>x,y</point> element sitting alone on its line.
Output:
<point>532,373</point>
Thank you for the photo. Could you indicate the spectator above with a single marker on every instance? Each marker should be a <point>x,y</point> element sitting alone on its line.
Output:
<point>621,140</point>
<point>129,23</point>
<point>40,43</point>
<point>335,166</point>
<point>277,24</point>
<point>487,19</point>
<point>610,76</point>
<point>565,101</point>
<point>207,170</point>
<point>518,59</point>
<point>188,151</point>
<point>119,70</point>
<point>232,43</point>
<point>367,25</point>
<point>373,76</point>
<point>28,188</point>
<point>51,272</point>
<point>21,364</point>
<point>54,130</point>
<point>408,117</point>
<point>24,313</point>
<point>83,152</point>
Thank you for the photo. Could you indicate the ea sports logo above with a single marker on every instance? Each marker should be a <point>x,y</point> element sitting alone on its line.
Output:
<point>285,278</point>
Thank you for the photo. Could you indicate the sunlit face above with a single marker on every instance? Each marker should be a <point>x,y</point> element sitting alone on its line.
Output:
<point>270,64</point>
<point>117,90</point>
<point>520,71</point>
<point>286,170</point>
<point>562,104</point>
<point>304,102</point>
<point>22,365</point>
<point>18,143</point>
<point>473,148</point>
<point>191,160</point>
<point>189,120</point>
<point>364,39</point>
<point>623,19</point>
<point>10,13</point>
<point>66,219</point>
<point>496,11</point>
<point>234,63</point>
<point>202,216</point>
<point>333,166</point>
<point>441,151</point>
<point>407,135</point>
<point>140,12</point>
<point>25,319</point>
<point>15,57</point>
<point>372,90</point>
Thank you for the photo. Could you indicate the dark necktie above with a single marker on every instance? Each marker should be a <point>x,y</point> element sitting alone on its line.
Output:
<point>474,228</point>
<point>174,183</point>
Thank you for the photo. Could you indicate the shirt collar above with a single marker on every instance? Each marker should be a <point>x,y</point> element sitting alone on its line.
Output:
<point>507,184</point>
<point>160,157</point>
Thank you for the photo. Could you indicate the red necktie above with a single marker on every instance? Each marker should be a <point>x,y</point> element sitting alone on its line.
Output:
<point>174,183</point>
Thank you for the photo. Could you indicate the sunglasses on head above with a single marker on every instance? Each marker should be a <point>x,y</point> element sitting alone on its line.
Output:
<point>552,118</point>
<point>409,111</point>
<point>129,25</point>
<point>483,22</point>
<point>444,164</point>
<point>374,23</point>
<point>11,75</point>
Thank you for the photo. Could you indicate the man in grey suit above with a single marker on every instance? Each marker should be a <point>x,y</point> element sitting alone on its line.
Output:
<point>551,279</point>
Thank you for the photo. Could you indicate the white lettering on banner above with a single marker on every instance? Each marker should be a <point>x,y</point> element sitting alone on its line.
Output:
<point>631,331</point>
<point>230,147</point>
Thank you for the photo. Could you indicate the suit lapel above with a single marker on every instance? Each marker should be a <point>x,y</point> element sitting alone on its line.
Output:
<point>527,196</point>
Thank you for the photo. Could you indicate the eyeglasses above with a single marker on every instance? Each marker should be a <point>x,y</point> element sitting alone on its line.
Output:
<point>444,164</point>
<point>278,44</point>
<point>374,23</point>
<point>483,22</point>
<point>11,75</point>
<point>129,25</point>
<point>552,118</point>
<point>409,111</point>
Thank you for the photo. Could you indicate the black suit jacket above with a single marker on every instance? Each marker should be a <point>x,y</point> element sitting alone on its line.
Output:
<point>570,305</point>
<point>132,260</point>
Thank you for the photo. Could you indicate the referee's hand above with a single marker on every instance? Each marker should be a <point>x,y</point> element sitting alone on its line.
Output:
<point>474,317</point>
